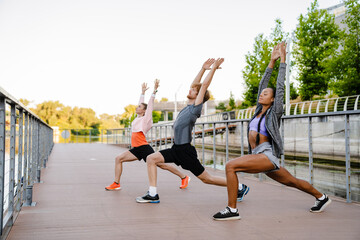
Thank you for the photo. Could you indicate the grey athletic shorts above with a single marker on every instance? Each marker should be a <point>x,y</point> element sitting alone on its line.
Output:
<point>265,148</point>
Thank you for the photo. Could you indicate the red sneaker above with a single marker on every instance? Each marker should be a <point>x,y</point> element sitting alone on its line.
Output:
<point>185,182</point>
<point>114,186</point>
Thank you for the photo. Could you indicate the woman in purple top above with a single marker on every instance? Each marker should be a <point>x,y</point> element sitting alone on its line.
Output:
<point>265,143</point>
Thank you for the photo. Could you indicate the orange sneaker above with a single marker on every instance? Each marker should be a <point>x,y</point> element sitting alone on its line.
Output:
<point>114,186</point>
<point>185,182</point>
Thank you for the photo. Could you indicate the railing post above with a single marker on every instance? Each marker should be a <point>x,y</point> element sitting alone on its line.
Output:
<point>12,163</point>
<point>38,153</point>
<point>336,103</point>
<point>295,110</point>
<point>172,134</point>
<point>227,142</point>
<point>31,162</point>
<point>311,167</point>
<point>327,105</point>
<point>346,103</point>
<point>29,175</point>
<point>214,145</point>
<point>309,110</point>
<point>356,102</point>
<point>242,138</point>
<point>156,138</point>
<point>2,158</point>
<point>347,158</point>
<point>203,143</point>
<point>160,142</point>
<point>152,136</point>
<point>318,106</point>
<point>129,136</point>
<point>32,166</point>
<point>166,126</point>
<point>19,175</point>
<point>283,140</point>
<point>26,144</point>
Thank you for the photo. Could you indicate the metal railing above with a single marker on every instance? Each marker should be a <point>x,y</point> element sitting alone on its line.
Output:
<point>316,106</point>
<point>161,136</point>
<point>30,141</point>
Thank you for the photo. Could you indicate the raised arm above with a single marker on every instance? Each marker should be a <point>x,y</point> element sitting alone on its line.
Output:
<point>143,90</point>
<point>279,96</point>
<point>266,77</point>
<point>206,66</point>
<point>207,81</point>
<point>150,106</point>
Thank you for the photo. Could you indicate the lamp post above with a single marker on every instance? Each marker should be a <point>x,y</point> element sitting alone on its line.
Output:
<point>287,83</point>
<point>176,112</point>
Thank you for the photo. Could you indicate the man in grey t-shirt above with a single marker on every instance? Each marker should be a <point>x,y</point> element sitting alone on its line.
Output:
<point>182,152</point>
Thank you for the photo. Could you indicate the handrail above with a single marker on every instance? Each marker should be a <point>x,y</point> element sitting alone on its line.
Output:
<point>36,139</point>
<point>248,112</point>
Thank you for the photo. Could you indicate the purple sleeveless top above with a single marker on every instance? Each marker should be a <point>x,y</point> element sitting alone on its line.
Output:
<point>254,126</point>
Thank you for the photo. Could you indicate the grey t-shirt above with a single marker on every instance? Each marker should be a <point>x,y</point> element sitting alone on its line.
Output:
<point>185,122</point>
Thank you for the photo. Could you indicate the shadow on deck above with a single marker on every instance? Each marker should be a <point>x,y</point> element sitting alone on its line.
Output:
<point>72,204</point>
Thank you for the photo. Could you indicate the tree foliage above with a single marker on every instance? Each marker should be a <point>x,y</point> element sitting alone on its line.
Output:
<point>57,114</point>
<point>316,40</point>
<point>258,60</point>
<point>156,116</point>
<point>344,68</point>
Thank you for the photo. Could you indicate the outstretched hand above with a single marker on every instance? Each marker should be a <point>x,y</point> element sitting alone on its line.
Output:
<point>156,84</point>
<point>207,64</point>
<point>144,88</point>
<point>282,51</point>
<point>275,53</point>
<point>217,63</point>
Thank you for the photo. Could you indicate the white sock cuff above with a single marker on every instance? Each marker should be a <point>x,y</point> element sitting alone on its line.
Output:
<point>233,210</point>
<point>152,191</point>
<point>322,197</point>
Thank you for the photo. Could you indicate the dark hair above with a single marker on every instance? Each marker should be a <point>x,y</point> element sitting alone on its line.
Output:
<point>145,105</point>
<point>274,91</point>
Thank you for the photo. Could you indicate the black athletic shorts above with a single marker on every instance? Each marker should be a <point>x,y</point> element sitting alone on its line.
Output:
<point>142,151</point>
<point>184,155</point>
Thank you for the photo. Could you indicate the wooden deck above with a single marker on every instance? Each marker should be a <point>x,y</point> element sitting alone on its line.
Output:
<point>72,204</point>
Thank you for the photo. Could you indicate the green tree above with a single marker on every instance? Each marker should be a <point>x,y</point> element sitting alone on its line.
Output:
<point>25,101</point>
<point>156,116</point>
<point>344,69</point>
<point>258,60</point>
<point>293,91</point>
<point>316,40</point>
<point>232,104</point>
<point>221,107</point>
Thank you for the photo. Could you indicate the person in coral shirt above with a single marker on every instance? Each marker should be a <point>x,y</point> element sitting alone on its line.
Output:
<point>140,147</point>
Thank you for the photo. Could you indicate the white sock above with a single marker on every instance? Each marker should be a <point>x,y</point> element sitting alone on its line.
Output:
<point>240,186</point>
<point>233,210</point>
<point>322,197</point>
<point>152,191</point>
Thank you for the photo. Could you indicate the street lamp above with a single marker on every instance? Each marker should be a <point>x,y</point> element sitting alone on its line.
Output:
<point>175,112</point>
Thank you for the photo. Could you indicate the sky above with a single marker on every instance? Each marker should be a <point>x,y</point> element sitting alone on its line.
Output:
<point>97,53</point>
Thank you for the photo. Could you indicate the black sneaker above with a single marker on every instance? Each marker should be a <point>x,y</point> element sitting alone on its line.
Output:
<point>226,214</point>
<point>148,199</point>
<point>320,205</point>
<point>241,193</point>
